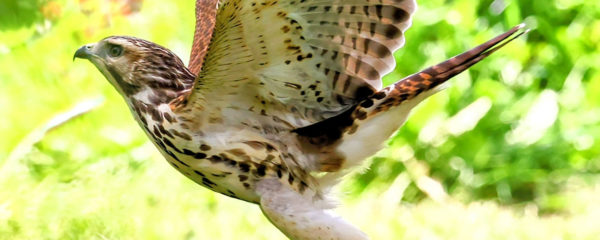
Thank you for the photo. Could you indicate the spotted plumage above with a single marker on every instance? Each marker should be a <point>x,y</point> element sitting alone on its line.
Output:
<point>281,98</point>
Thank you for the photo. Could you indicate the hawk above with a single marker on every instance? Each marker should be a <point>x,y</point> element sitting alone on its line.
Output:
<point>281,98</point>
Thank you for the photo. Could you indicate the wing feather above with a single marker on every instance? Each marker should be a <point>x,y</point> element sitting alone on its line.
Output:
<point>206,11</point>
<point>320,56</point>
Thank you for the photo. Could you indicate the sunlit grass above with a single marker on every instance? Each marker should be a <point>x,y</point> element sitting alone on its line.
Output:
<point>126,197</point>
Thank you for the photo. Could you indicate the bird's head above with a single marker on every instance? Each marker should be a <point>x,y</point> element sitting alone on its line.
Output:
<point>139,67</point>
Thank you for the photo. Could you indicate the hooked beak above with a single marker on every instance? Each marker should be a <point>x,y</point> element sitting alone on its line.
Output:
<point>84,52</point>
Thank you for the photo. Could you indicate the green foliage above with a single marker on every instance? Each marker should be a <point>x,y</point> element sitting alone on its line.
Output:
<point>509,155</point>
<point>520,128</point>
<point>19,13</point>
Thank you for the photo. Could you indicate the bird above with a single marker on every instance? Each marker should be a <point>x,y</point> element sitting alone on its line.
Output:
<point>280,99</point>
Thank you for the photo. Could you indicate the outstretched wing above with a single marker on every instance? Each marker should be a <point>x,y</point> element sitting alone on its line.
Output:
<point>206,11</point>
<point>319,56</point>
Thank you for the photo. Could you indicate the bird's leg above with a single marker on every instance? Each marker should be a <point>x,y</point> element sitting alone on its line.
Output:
<point>299,217</point>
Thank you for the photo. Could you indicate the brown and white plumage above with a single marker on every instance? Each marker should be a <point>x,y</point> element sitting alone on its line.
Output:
<point>319,56</point>
<point>281,98</point>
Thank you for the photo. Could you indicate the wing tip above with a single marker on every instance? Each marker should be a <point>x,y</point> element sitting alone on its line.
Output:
<point>431,77</point>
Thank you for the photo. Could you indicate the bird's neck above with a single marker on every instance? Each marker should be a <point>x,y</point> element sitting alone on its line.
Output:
<point>154,103</point>
<point>156,96</point>
<point>159,93</point>
<point>161,87</point>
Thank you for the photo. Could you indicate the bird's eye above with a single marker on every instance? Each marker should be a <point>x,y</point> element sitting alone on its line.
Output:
<point>115,51</point>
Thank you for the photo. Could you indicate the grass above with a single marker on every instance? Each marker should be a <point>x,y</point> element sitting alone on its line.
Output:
<point>122,197</point>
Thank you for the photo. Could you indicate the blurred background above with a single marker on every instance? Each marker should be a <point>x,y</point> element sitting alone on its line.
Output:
<point>511,150</point>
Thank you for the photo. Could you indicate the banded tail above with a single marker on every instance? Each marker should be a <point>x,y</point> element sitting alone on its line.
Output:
<point>361,130</point>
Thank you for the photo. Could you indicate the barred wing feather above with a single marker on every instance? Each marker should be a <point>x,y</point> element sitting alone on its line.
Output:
<point>318,55</point>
